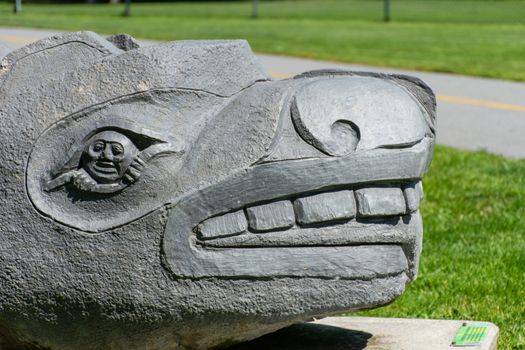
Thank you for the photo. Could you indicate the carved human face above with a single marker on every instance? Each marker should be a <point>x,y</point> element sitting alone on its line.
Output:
<point>107,156</point>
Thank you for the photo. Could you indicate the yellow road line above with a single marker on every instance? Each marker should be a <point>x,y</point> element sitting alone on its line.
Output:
<point>16,39</point>
<point>481,103</point>
<point>280,75</point>
<point>452,99</point>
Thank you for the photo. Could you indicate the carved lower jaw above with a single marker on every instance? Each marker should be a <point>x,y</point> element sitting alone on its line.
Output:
<point>382,221</point>
<point>345,220</point>
<point>366,240</point>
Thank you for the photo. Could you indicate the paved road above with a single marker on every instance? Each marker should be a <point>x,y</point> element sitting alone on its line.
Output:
<point>473,113</point>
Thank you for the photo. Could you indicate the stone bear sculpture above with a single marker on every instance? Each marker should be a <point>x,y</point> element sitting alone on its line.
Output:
<point>176,197</point>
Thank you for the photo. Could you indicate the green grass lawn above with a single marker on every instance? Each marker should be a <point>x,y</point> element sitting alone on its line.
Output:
<point>473,261</point>
<point>485,38</point>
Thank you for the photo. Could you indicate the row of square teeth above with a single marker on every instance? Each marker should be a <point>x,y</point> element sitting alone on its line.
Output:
<point>322,208</point>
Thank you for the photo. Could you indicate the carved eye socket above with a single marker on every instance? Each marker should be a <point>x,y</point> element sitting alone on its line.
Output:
<point>117,149</point>
<point>98,146</point>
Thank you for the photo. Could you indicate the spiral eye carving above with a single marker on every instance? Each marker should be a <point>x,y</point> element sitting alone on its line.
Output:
<point>345,137</point>
<point>340,116</point>
<point>318,121</point>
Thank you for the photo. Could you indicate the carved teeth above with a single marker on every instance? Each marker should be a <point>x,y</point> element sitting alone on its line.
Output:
<point>321,208</point>
<point>325,207</point>
<point>223,226</point>
<point>413,195</point>
<point>267,217</point>
<point>380,201</point>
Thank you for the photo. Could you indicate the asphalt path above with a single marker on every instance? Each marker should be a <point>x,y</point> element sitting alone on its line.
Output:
<point>473,113</point>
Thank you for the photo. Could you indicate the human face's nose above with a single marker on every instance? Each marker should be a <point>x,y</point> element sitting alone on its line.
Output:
<point>107,154</point>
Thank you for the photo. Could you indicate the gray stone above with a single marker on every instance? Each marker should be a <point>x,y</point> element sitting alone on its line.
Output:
<point>224,225</point>
<point>271,216</point>
<point>129,175</point>
<point>380,201</point>
<point>325,207</point>
<point>124,42</point>
<point>414,195</point>
<point>353,118</point>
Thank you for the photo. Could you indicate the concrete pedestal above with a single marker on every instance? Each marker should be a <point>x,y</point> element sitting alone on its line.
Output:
<point>368,333</point>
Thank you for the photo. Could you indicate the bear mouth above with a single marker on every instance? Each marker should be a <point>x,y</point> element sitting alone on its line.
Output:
<point>373,231</point>
<point>352,217</point>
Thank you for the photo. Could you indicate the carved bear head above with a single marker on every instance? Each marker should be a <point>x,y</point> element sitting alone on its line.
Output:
<point>176,196</point>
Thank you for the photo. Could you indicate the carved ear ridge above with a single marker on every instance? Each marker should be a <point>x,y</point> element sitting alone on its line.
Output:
<point>89,39</point>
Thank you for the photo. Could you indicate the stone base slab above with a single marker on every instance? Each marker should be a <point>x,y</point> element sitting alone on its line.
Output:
<point>359,333</point>
<point>369,333</point>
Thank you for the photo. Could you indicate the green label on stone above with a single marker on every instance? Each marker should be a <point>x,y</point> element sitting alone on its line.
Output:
<point>471,335</point>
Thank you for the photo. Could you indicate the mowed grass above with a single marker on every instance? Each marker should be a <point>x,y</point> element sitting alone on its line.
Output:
<point>484,38</point>
<point>473,261</point>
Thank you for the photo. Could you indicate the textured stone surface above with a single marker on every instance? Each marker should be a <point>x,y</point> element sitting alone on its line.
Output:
<point>414,195</point>
<point>369,333</point>
<point>224,225</point>
<point>272,216</point>
<point>124,42</point>
<point>325,207</point>
<point>128,174</point>
<point>353,118</point>
<point>380,201</point>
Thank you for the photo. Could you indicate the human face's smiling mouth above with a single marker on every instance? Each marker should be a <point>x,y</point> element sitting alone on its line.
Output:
<point>105,167</point>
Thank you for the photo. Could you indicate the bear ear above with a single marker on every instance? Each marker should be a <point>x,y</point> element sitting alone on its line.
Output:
<point>89,47</point>
<point>43,80</point>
